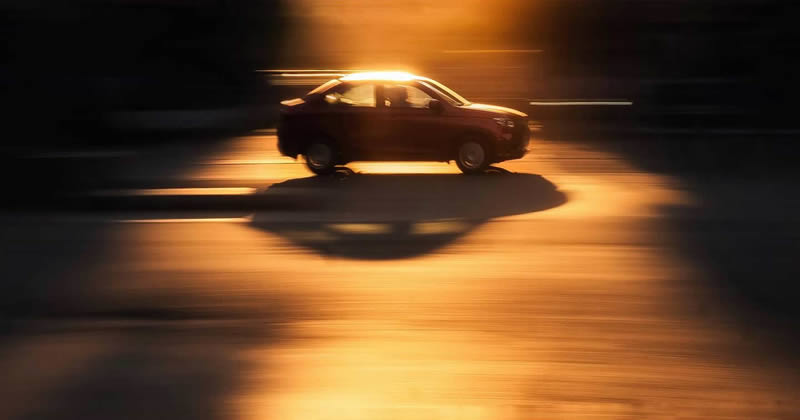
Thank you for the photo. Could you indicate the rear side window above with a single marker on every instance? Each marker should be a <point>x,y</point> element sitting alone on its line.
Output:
<point>357,96</point>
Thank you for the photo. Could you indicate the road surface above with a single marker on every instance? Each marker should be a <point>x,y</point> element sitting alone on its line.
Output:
<point>552,288</point>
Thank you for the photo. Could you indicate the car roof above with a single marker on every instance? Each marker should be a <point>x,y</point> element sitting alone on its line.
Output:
<point>383,76</point>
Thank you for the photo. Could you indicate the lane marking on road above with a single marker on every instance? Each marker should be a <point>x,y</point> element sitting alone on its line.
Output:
<point>178,191</point>
<point>263,131</point>
<point>534,51</point>
<point>245,219</point>
<point>581,103</point>
<point>280,160</point>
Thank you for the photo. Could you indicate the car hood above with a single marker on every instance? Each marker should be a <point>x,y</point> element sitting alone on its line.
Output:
<point>494,109</point>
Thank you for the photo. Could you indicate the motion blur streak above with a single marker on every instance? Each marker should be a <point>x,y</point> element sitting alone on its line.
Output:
<point>567,308</point>
<point>573,309</point>
<point>583,103</point>
<point>388,75</point>
<point>331,75</point>
<point>552,314</point>
<point>161,259</point>
<point>189,191</point>
<point>191,220</point>
<point>491,51</point>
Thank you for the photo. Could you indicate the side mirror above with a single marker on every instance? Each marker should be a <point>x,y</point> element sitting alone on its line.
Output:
<point>435,106</point>
<point>331,99</point>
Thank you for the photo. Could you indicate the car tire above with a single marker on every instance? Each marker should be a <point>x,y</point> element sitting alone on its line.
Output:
<point>472,156</point>
<point>320,157</point>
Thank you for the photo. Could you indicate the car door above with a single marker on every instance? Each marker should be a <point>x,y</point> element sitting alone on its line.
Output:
<point>414,130</point>
<point>355,120</point>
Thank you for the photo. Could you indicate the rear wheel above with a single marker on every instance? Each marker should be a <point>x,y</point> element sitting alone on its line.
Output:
<point>321,157</point>
<point>472,157</point>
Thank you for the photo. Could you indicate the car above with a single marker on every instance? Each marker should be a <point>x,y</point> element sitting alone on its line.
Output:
<point>393,116</point>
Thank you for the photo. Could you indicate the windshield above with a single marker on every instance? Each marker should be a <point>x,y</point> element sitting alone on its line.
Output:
<point>324,87</point>
<point>447,92</point>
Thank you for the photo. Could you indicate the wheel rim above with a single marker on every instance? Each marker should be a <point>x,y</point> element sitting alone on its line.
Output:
<point>319,156</point>
<point>471,155</point>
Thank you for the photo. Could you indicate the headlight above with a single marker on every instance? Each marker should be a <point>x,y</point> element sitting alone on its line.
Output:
<point>504,122</point>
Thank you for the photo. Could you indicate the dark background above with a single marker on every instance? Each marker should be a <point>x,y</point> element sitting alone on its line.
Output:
<point>97,71</point>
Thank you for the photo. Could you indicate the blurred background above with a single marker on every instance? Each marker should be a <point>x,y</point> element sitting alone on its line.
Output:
<point>161,259</point>
<point>82,68</point>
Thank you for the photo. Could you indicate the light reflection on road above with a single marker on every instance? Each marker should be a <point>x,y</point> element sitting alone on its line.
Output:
<point>572,312</point>
<point>575,309</point>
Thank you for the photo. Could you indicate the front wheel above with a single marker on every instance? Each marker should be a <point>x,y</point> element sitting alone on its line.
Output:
<point>471,157</point>
<point>320,158</point>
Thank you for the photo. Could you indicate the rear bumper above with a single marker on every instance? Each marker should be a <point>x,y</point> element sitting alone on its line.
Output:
<point>284,146</point>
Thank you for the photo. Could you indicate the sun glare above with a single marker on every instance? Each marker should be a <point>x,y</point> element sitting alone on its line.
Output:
<point>398,76</point>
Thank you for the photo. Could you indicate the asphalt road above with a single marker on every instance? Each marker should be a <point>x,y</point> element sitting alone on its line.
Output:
<point>555,287</point>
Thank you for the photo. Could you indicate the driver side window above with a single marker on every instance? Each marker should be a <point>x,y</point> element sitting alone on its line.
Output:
<point>356,96</point>
<point>403,96</point>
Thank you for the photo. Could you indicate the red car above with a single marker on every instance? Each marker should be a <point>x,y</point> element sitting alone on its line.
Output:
<point>390,116</point>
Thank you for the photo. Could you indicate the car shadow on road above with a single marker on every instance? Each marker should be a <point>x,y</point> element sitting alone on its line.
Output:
<point>392,216</point>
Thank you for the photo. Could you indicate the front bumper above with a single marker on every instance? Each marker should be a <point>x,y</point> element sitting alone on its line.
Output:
<point>517,146</point>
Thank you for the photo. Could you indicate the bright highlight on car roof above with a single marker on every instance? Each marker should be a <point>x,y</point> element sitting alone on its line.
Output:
<point>398,76</point>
